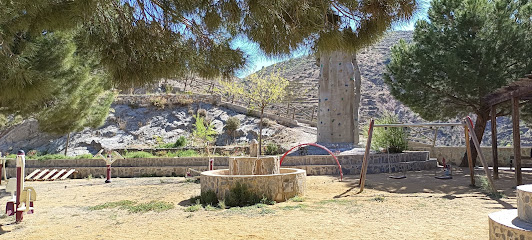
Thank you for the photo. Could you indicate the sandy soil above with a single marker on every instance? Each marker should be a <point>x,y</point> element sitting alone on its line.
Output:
<point>418,207</point>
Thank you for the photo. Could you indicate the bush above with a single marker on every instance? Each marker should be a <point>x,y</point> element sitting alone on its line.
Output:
<point>139,154</point>
<point>232,124</point>
<point>393,139</point>
<point>272,149</point>
<point>202,112</point>
<point>181,142</point>
<point>266,122</point>
<point>241,196</point>
<point>209,198</point>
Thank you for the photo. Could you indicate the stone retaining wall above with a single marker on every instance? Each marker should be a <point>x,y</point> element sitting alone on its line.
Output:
<point>315,165</point>
<point>455,154</point>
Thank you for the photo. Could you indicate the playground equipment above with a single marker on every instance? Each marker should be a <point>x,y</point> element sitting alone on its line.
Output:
<point>468,127</point>
<point>110,158</point>
<point>22,197</point>
<point>447,171</point>
<point>315,145</point>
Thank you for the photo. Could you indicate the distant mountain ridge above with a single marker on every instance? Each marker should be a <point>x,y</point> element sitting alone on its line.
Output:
<point>376,98</point>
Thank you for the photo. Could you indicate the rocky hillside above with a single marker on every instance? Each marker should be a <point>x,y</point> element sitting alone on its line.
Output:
<point>134,126</point>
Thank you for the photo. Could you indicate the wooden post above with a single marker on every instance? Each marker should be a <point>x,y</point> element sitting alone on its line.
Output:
<point>365,163</point>
<point>480,155</point>
<point>517,141</point>
<point>494,142</point>
<point>469,157</point>
<point>435,137</point>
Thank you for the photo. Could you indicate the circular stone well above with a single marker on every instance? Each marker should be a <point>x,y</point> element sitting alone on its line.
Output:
<point>262,175</point>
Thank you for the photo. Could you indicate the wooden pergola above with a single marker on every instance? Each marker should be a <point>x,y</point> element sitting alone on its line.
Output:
<point>514,92</point>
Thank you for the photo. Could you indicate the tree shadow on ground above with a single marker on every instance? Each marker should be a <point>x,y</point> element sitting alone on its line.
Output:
<point>425,182</point>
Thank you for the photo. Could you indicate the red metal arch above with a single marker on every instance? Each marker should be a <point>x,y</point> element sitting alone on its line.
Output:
<point>315,145</point>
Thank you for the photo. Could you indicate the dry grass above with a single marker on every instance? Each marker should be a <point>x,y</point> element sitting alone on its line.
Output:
<point>418,207</point>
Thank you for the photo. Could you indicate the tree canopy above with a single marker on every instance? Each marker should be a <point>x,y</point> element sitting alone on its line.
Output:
<point>135,42</point>
<point>467,49</point>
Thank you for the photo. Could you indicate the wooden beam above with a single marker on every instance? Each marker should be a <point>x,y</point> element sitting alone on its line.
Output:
<point>469,157</point>
<point>516,141</point>
<point>495,98</point>
<point>365,163</point>
<point>494,142</point>
<point>480,155</point>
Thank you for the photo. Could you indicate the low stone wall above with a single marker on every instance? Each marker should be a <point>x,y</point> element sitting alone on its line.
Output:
<point>289,183</point>
<point>314,165</point>
<point>455,154</point>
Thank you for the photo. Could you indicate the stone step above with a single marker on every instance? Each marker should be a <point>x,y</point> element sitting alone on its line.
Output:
<point>506,225</point>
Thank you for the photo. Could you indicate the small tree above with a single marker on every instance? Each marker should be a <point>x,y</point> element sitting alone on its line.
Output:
<point>203,133</point>
<point>262,90</point>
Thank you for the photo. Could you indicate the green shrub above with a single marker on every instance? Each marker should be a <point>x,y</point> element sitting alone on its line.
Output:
<point>181,142</point>
<point>241,196</point>
<point>209,198</point>
<point>139,154</point>
<point>49,157</point>
<point>132,207</point>
<point>84,156</point>
<point>232,124</point>
<point>272,149</point>
<point>393,139</point>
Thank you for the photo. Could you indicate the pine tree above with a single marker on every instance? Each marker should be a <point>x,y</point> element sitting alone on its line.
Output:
<point>467,49</point>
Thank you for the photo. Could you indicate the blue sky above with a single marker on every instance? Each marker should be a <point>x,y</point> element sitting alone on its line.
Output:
<point>258,60</point>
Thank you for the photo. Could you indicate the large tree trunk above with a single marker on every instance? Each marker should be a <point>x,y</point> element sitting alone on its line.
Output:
<point>479,128</point>
<point>356,106</point>
<point>67,143</point>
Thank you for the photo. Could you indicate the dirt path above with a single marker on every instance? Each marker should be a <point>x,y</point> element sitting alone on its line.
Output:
<point>418,207</point>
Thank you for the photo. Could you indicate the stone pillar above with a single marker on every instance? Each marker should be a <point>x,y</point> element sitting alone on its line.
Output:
<point>254,165</point>
<point>336,117</point>
<point>253,148</point>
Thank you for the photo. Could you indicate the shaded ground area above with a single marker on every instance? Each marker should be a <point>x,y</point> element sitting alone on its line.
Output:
<point>418,207</point>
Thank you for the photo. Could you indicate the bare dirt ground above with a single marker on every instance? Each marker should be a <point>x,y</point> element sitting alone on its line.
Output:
<point>418,207</point>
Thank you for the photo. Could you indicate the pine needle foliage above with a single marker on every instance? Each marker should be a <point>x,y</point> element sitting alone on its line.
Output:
<point>466,50</point>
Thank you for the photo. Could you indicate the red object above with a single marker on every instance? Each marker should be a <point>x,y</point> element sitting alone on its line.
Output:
<point>211,164</point>
<point>18,214</point>
<point>471,121</point>
<point>315,145</point>
<point>108,180</point>
<point>443,161</point>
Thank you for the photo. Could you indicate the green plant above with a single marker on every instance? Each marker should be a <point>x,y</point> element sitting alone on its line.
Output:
<point>158,140</point>
<point>194,208</point>
<point>378,199</point>
<point>138,154</point>
<point>484,185</point>
<point>84,156</point>
<point>297,199</point>
<point>202,133</point>
<point>393,139</point>
<point>209,198</point>
<point>241,196</point>
<point>133,207</point>
<point>272,149</point>
<point>181,142</point>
